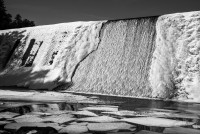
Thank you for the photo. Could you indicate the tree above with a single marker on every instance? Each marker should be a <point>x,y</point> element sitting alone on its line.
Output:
<point>28,23</point>
<point>19,22</point>
<point>6,21</point>
<point>5,18</point>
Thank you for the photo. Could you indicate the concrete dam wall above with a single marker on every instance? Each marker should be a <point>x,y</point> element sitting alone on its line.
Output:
<point>142,57</point>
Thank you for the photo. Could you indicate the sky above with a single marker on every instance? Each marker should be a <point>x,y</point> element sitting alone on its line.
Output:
<point>44,12</point>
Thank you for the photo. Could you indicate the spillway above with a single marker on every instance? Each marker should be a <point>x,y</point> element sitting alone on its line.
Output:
<point>154,57</point>
<point>121,63</point>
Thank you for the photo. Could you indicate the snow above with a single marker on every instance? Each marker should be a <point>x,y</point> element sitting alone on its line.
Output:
<point>175,69</point>
<point>157,122</point>
<point>57,49</point>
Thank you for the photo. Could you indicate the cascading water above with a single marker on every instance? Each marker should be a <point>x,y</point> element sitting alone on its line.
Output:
<point>122,61</point>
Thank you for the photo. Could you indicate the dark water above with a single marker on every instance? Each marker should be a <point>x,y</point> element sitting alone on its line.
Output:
<point>142,106</point>
<point>128,103</point>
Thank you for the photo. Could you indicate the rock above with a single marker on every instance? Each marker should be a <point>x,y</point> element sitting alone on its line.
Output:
<point>50,113</point>
<point>121,113</point>
<point>192,111</point>
<point>63,118</point>
<point>157,109</point>
<point>4,122</point>
<point>37,97</point>
<point>25,116</point>
<point>80,123</point>
<point>104,127</point>
<point>146,132</point>
<point>157,122</point>
<point>74,129</point>
<point>39,113</point>
<point>29,119</point>
<point>120,133</point>
<point>61,112</point>
<point>174,115</point>
<point>36,130</point>
<point>89,101</point>
<point>16,126</point>
<point>196,126</point>
<point>4,132</point>
<point>45,108</point>
<point>8,115</point>
<point>99,119</point>
<point>180,130</point>
<point>113,106</point>
<point>169,115</point>
<point>84,113</point>
<point>94,97</point>
<point>101,108</point>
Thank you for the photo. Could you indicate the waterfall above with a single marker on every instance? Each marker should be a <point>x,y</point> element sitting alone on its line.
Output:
<point>122,61</point>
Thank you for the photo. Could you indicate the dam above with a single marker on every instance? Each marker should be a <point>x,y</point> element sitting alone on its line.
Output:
<point>152,57</point>
<point>133,76</point>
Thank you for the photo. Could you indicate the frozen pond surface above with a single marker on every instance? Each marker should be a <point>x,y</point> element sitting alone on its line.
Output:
<point>50,112</point>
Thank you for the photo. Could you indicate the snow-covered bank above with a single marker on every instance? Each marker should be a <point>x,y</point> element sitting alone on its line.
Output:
<point>142,57</point>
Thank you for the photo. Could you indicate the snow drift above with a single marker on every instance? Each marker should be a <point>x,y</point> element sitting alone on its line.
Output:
<point>143,57</point>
